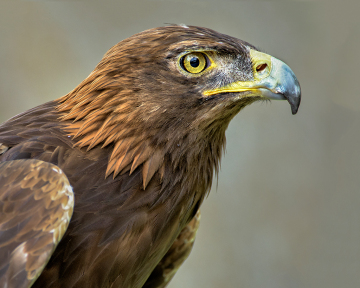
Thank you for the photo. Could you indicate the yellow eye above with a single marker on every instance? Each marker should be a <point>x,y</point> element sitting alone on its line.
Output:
<point>194,62</point>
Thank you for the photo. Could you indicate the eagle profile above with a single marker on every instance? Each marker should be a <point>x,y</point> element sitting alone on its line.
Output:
<point>102,187</point>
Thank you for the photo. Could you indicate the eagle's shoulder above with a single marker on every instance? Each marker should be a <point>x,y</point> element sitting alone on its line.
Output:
<point>36,207</point>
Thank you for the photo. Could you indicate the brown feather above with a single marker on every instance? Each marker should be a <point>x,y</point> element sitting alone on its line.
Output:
<point>141,155</point>
<point>142,118</point>
<point>37,201</point>
<point>152,165</point>
<point>175,256</point>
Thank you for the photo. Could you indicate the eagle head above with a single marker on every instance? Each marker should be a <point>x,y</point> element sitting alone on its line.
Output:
<point>172,90</point>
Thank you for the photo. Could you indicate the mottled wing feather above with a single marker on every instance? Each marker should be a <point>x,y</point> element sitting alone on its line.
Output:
<point>36,204</point>
<point>175,257</point>
<point>3,148</point>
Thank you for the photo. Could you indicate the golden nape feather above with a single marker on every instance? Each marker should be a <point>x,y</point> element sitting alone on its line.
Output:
<point>139,141</point>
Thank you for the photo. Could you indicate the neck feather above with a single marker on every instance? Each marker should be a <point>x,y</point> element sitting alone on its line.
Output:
<point>100,113</point>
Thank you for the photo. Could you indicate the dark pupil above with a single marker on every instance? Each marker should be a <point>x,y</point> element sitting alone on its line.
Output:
<point>194,62</point>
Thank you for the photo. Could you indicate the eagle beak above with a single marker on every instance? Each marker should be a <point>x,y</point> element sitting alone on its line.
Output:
<point>273,79</point>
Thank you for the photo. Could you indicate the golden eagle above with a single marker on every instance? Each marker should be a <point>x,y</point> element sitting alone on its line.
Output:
<point>102,187</point>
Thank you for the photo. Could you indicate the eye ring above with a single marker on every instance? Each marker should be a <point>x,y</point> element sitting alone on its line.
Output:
<point>194,62</point>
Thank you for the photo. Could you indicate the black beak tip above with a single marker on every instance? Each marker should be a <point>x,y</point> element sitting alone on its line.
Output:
<point>295,107</point>
<point>295,97</point>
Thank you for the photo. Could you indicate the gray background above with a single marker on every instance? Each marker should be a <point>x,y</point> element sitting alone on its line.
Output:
<point>285,212</point>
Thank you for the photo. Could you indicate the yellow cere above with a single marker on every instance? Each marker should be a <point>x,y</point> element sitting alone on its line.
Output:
<point>261,63</point>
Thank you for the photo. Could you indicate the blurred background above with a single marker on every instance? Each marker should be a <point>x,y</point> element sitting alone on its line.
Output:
<point>285,211</point>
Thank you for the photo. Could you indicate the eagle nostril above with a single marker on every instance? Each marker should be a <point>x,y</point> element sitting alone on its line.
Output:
<point>261,67</point>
